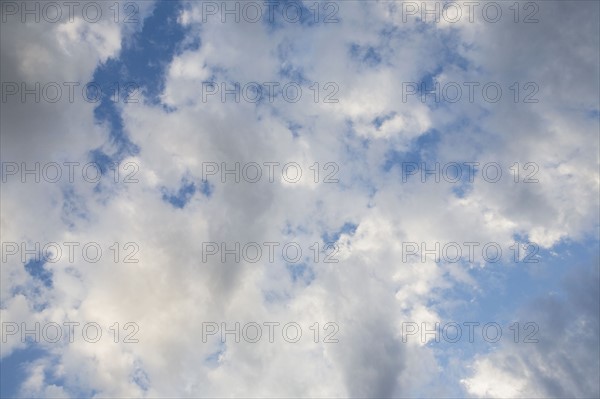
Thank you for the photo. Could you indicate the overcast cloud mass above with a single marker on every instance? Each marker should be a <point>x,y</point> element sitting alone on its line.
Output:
<point>300,199</point>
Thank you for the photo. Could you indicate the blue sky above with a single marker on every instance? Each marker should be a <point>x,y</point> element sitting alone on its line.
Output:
<point>150,281</point>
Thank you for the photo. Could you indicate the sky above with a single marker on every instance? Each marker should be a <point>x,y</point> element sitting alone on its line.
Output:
<point>300,199</point>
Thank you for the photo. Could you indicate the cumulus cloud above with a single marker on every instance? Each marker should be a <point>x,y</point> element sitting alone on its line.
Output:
<point>360,132</point>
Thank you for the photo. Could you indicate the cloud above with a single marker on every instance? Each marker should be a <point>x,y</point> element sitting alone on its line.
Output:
<point>166,204</point>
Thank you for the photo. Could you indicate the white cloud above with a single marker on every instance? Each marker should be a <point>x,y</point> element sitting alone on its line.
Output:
<point>170,292</point>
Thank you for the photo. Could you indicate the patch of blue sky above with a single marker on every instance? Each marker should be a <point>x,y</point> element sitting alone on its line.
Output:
<point>506,286</point>
<point>140,377</point>
<point>460,176</point>
<point>33,292</point>
<point>593,114</point>
<point>450,343</point>
<point>333,237</point>
<point>365,54</point>
<point>294,128</point>
<point>102,160</point>
<point>462,189</point>
<point>453,49</point>
<point>429,90</point>
<point>300,272</point>
<point>353,151</point>
<point>355,145</point>
<point>286,51</point>
<point>73,207</point>
<point>275,296</point>
<point>262,94</point>
<point>110,171</point>
<point>13,369</point>
<point>212,360</point>
<point>292,74</point>
<point>423,149</point>
<point>389,31</point>
<point>185,192</point>
<point>380,120</point>
<point>145,57</point>
<point>206,188</point>
<point>504,295</point>
<point>35,268</point>
<point>419,162</point>
<point>451,370</point>
<point>290,230</point>
<point>182,197</point>
<point>141,65</point>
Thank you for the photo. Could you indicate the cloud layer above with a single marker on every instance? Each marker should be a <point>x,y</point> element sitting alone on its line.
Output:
<point>359,125</point>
